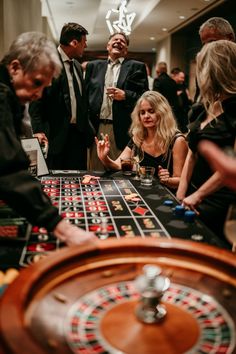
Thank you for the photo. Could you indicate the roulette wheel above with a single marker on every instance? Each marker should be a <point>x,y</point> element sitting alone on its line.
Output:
<point>85,299</point>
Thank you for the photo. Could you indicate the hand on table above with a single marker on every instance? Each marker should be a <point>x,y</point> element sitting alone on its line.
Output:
<point>192,201</point>
<point>163,175</point>
<point>42,138</point>
<point>73,235</point>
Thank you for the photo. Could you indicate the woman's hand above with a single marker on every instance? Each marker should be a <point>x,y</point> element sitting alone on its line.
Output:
<point>103,147</point>
<point>180,195</point>
<point>163,175</point>
<point>192,201</point>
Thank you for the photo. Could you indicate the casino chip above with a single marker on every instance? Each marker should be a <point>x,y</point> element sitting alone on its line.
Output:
<point>168,202</point>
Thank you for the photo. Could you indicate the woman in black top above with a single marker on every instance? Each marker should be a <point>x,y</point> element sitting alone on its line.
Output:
<point>27,68</point>
<point>200,189</point>
<point>154,129</point>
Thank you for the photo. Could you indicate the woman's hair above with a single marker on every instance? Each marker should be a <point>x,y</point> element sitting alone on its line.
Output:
<point>216,71</point>
<point>34,51</point>
<point>166,125</point>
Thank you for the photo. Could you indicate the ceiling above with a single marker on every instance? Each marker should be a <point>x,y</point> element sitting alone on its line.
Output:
<point>154,20</point>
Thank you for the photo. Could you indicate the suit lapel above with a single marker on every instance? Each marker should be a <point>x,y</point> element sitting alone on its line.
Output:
<point>102,72</point>
<point>123,73</point>
<point>79,72</point>
<point>64,86</point>
<point>65,89</point>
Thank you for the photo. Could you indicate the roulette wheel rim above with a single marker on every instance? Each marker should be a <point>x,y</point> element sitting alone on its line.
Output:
<point>19,301</point>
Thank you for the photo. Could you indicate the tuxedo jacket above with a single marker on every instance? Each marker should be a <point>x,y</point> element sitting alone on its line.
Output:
<point>168,88</point>
<point>52,113</point>
<point>132,79</point>
<point>18,188</point>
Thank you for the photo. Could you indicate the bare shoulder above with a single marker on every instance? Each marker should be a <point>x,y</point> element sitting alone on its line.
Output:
<point>180,143</point>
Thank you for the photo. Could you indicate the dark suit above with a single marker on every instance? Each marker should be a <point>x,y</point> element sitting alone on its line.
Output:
<point>168,88</point>
<point>132,79</point>
<point>52,113</point>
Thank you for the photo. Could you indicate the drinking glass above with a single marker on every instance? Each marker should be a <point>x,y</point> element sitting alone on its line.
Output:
<point>137,155</point>
<point>146,174</point>
<point>127,166</point>
<point>230,226</point>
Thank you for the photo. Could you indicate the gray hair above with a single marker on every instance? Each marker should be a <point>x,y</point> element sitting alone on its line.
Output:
<point>216,74</point>
<point>161,67</point>
<point>34,51</point>
<point>222,26</point>
<point>122,34</point>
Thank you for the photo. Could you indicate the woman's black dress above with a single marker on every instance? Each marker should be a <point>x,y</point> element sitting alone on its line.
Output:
<point>222,132</point>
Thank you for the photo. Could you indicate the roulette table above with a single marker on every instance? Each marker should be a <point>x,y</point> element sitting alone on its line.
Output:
<point>112,206</point>
<point>84,300</point>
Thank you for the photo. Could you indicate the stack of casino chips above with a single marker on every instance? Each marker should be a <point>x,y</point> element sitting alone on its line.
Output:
<point>12,226</point>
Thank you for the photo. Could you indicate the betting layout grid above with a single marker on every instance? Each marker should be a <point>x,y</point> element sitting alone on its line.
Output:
<point>110,208</point>
<point>82,325</point>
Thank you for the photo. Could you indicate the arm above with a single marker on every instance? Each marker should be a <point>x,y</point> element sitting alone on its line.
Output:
<point>20,190</point>
<point>207,188</point>
<point>179,153</point>
<point>186,175</point>
<point>24,194</point>
<point>219,161</point>
<point>103,148</point>
<point>36,114</point>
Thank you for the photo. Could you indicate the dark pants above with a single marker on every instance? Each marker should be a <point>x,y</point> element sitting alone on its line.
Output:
<point>94,162</point>
<point>74,153</point>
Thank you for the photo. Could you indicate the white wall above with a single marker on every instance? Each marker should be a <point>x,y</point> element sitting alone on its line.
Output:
<point>163,50</point>
<point>17,16</point>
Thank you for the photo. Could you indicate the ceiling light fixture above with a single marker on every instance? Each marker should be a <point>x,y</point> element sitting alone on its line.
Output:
<point>124,21</point>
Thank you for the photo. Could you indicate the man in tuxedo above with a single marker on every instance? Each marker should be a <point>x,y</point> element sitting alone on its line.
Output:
<point>183,98</point>
<point>61,113</point>
<point>113,87</point>
<point>164,84</point>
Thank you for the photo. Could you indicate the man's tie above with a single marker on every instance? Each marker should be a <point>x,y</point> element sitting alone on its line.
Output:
<point>76,89</point>
<point>106,111</point>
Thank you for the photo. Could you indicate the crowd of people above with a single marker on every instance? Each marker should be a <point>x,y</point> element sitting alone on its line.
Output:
<point>109,109</point>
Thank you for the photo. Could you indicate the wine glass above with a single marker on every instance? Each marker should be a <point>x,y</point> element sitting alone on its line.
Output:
<point>137,155</point>
<point>230,226</point>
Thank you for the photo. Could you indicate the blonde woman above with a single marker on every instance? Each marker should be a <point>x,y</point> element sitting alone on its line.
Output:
<point>200,189</point>
<point>154,129</point>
